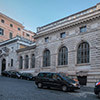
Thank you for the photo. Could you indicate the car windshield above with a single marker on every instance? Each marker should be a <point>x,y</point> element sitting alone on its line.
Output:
<point>29,74</point>
<point>67,78</point>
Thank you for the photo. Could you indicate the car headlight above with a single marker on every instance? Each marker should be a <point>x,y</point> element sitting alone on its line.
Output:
<point>74,84</point>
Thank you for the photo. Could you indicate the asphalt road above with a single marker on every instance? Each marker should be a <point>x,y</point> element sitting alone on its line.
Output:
<point>17,89</point>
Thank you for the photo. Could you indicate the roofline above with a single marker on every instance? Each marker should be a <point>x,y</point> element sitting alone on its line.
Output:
<point>29,31</point>
<point>9,41</point>
<point>66,17</point>
<point>14,21</point>
<point>13,40</point>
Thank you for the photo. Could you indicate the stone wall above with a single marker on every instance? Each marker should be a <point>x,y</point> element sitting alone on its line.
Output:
<point>71,41</point>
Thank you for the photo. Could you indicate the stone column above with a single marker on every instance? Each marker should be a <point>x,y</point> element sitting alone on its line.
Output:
<point>8,63</point>
<point>23,62</point>
<point>29,61</point>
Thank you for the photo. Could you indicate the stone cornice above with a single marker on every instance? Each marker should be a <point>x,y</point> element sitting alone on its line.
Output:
<point>73,22</point>
<point>25,49</point>
<point>17,38</point>
<point>82,19</point>
<point>69,18</point>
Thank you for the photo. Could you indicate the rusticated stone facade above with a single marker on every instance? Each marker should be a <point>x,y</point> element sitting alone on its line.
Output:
<point>8,54</point>
<point>77,28</point>
<point>71,26</point>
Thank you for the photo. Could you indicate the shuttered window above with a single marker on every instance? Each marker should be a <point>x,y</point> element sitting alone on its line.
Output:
<point>83,53</point>
<point>46,58</point>
<point>63,56</point>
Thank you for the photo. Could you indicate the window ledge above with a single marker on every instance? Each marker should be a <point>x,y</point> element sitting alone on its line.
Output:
<point>61,66</point>
<point>48,67</point>
<point>83,64</point>
<point>32,68</point>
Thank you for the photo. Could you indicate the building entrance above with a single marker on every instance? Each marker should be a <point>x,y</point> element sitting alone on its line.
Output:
<point>3,65</point>
<point>82,80</point>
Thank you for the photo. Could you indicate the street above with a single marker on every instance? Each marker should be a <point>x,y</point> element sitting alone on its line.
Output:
<point>17,89</point>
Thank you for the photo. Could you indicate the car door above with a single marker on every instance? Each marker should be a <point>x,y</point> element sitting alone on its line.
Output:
<point>49,80</point>
<point>57,82</point>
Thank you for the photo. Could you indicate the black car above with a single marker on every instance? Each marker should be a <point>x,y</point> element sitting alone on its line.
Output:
<point>15,74</point>
<point>56,80</point>
<point>97,89</point>
<point>27,76</point>
<point>5,73</point>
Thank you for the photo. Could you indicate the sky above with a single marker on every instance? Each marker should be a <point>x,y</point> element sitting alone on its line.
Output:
<point>36,13</point>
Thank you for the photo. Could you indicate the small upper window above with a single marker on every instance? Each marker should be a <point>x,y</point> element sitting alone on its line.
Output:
<point>10,35</point>
<point>1,31</point>
<point>63,35</point>
<point>11,62</point>
<point>33,37</point>
<point>11,25</point>
<point>83,29</point>
<point>19,29</point>
<point>27,35</point>
<point>2,21</point>
<point>47,39</point>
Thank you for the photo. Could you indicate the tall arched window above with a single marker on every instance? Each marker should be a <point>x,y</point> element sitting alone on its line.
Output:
<point>32,61</point>
<point>11,62</point>
<point>63,56</point>
<point>26,61</point>
<point>21,62</point>
<point>46,58</point>
<point>83,53</point>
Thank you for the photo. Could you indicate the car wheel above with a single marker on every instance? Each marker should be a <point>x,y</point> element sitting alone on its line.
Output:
<point>64,88</point>
<point>99,95</point>
<point>39,85</point>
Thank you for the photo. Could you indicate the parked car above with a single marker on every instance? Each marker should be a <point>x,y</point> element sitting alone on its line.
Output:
<point>27,76</point>
<point>15,74</point>
<point>5,73</point>
<point>56,80</point>
<point>97,89</point>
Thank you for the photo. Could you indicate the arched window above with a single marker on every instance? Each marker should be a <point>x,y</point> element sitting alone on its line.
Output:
<point>26,61</point>
<point>21,62</point>
<point>11,62</point>
<point>83,53</point>
<point>32,61</point>
<point>63,56</point>
<point>46,58</point>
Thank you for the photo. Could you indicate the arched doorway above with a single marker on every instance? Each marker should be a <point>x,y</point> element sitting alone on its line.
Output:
<point>3,65</point>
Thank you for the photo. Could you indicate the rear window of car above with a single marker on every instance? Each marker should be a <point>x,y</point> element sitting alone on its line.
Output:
<point>48,75</point>
<point>42,74</point>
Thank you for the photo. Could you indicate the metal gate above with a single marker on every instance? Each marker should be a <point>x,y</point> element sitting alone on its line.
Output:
<point>82,80</point>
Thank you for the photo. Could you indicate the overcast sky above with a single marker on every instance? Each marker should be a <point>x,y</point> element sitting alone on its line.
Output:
<point>36,13</point>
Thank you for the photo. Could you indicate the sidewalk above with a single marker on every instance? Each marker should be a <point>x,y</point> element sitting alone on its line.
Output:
<point>87,89</point>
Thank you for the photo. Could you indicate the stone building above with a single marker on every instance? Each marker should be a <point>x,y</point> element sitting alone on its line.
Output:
<point>71,45</point>
<point>8,54</point>
<point>10,28</point>
<point>26,59</point>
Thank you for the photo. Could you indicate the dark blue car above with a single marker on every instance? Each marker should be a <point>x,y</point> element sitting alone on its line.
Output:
<point>97,89</point>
